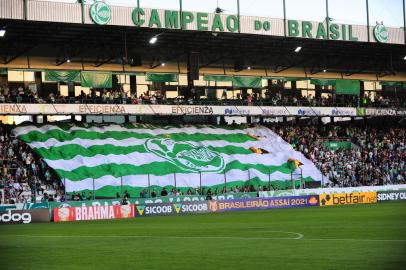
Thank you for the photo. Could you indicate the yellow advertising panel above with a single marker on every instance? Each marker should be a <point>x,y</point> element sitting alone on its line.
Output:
<point>348,198</point>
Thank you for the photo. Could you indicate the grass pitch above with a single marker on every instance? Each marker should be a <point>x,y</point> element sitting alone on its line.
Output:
<point>347,237</point>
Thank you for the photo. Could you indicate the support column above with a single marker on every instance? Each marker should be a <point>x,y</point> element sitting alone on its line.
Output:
<point>367,8</point>
<point>71,89</point>
<point>38,82</point>
<point>319,121</point>
<point>294,89</point>
<point>133,85</point>
<point>222,120</point>
<point>362,90</point>
<point>317,91</point>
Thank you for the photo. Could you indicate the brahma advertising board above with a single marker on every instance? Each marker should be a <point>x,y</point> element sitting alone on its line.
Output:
<point>93,212</point>
<point>264,203</point>
<point>168,209</point>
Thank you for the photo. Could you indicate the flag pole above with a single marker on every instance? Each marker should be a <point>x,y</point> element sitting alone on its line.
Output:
<point>93,190</point>
<point>200,183</point>
<point>149,186</point>
<point>225,182</point>
<point>269,180</point>
<point>121,186</point>
<point>174,177</point>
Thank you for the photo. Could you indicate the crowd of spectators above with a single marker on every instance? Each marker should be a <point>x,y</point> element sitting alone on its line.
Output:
<point>23,175</point>
<point>119,96</point>
<point>377,155</point>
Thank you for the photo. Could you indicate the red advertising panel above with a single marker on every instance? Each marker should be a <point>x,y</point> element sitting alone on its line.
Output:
<point>93,212</point>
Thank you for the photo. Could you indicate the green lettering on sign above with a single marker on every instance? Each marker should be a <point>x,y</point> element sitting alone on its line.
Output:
<point>321,31</point>
<point>267,26</point>
<point>202,21</point>
<point>136,16</point>
<point>306,29</point>
<point>351,38</point>
<point>257,25</point>
<point>217,24</point>
<point>334,34</point>
<point>171,19</point>
<point>344,32</point>
<point>232,23</point>
<point>187,17</point>
<point>154,19</point>
<point>293,28</point>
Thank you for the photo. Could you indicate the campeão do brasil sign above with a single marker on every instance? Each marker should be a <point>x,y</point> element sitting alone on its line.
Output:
<point>100,13</point>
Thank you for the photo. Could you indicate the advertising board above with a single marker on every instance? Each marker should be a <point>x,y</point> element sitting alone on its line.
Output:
<point>93,212</point>
<point>264,203</point>
<point>318,191</point>
<point>348,198</point>
<point>394,195</point>
<point>24,216</point>
<point>167,209</point>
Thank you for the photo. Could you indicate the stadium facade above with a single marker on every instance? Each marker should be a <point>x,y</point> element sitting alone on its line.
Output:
<point>70,47</point>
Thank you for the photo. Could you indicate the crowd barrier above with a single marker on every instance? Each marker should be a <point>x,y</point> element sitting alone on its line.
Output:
<point>113,209</point>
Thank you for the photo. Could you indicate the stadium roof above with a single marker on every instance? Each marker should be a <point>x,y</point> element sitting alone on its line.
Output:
<point>103,34</point>
<point>110,44</point>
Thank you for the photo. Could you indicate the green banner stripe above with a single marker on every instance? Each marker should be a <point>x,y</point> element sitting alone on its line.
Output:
<point>36,136</point>
<point>159,169</point>
<point>69,151</point>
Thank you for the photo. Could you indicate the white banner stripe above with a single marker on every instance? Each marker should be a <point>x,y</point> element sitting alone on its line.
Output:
<point>182,180</point>
<point>128,142</point>
<point>187,130</point>
<point>139,159</point>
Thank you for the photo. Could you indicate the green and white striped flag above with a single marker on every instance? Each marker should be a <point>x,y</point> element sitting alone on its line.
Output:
<point>136,157</point>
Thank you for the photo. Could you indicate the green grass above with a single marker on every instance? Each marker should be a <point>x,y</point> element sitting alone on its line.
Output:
<point>333,238</point>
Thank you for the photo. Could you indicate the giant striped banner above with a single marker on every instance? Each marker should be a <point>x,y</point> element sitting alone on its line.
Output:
<point>113,158</point>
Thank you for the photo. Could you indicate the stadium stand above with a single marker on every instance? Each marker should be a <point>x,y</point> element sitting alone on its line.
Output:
<point>25,176</point>
<point>364,156</point>
<point>377,156</point>
<point>119,96</point>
